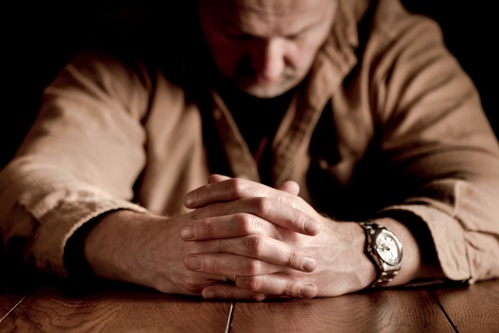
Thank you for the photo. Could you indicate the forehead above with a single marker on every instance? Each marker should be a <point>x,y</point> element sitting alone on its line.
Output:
<point>272,16</point>
<point>278,8</point>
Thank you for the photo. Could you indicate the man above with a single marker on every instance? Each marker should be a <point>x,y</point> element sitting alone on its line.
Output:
<point>260,156</point>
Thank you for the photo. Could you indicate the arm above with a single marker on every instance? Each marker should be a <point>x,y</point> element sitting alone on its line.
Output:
<point>337,251</point>
<point>76,168</point>
<point>438,145</point>
<point>63,175</point>
<point>441,163</point>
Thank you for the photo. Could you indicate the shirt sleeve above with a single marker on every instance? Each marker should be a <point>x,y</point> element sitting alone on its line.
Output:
<point>62,176</point>
<point>439,144</point>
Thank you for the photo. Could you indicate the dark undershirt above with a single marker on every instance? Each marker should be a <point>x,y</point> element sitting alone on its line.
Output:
<point>258,120</point>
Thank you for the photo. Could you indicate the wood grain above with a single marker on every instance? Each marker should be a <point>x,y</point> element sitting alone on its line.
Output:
<point>8,300</point>
<point>13,290</point>
<point>112,307</point>
<point>472,309</point>
<point>375,311</point>
<point>49,309</point>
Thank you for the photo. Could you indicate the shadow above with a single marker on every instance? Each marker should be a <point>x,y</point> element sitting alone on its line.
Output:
<point>40,37</point>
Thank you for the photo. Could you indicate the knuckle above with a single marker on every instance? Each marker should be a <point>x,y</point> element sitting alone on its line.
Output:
<point>237,186</point>
<point>253,267</point>
<point>191,285</point>
<point>245,222</point>
<point>291,290</point>
<point>298,203</point>
<point>201,247</point>
<point>254,244</point>
<point>297,218</point>
<point>250,224</point>
<point>212,266</point>
<point>251,283</point>
<point>209,227</point>
<point>263,205</point>
<point>291,259</point>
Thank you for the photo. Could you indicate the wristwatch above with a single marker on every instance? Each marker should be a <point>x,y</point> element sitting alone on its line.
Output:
<point>385,250</point>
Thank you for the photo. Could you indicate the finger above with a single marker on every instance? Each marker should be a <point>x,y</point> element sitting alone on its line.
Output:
<point>219,257</point>
<point>228,190</point>
<point>266,208</point>
<point>269,250</point>
<point>276,284</point>
<point>290,186</point>
<point>227,226</point>
<point>236,188</point>
<point>225,264</point>
<point>216,178</point>
<point>227,291</point>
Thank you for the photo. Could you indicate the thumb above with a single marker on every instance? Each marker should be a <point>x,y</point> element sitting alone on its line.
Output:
<point>290,186</point>
<point>216,178</point>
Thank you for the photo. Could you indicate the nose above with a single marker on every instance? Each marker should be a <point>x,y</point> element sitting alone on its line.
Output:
<point>268,60</point>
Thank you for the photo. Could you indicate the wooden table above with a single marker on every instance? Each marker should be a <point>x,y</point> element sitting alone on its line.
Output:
<point>51,306</point>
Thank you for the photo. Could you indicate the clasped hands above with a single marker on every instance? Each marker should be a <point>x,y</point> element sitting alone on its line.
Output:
<point>271,240</point>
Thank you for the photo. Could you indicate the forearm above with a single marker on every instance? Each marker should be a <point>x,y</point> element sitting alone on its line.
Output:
<point>416,263</point>
<point>116,246</point>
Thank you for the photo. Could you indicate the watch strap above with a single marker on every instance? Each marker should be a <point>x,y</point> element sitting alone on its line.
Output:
<point>386,273</point>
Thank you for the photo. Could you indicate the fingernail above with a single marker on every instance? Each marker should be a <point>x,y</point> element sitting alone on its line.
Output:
<point>309,265</point>
<point>194,264</point>
<point>311,227</point>
<point>187,233</point>
<point>308,291</point>
<point>189,200</point>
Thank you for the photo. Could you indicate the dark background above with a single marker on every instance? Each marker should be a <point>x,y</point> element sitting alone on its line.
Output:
<point>39,37</point>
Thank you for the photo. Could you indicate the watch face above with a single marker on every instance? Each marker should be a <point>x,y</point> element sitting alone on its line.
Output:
<point>388,249</point>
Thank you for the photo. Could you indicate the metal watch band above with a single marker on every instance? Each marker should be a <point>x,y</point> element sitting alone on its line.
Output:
<point>385,272</point>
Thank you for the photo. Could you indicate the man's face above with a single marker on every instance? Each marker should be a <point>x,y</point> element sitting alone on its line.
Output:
<point>265,47</point>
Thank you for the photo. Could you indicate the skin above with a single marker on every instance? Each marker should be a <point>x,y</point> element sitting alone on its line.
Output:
<point>272,240</point>
<point>265,48</point>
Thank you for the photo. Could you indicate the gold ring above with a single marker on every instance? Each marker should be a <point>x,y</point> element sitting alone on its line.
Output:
<point>231,279</point>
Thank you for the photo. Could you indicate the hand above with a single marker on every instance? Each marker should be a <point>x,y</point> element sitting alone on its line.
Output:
<point>240,228</point>
<point>272,244</point>
<point>146,249</point>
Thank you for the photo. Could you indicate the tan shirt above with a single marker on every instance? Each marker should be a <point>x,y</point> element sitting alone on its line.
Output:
<point>386,121</point>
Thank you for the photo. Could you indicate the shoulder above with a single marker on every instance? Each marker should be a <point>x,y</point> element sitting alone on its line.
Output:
<point>390,21</point>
